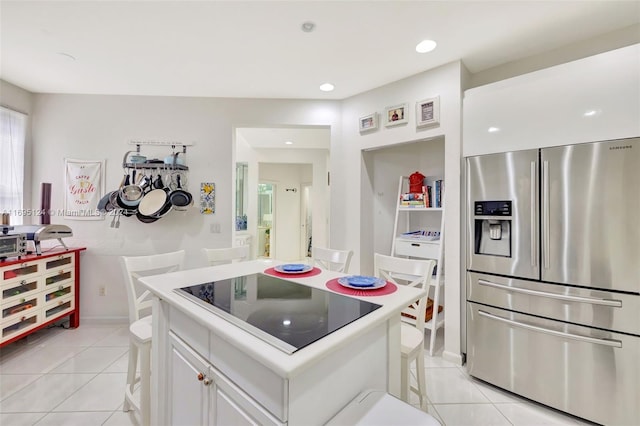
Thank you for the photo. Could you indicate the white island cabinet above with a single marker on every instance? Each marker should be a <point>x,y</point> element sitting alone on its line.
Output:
<point>209,371</point>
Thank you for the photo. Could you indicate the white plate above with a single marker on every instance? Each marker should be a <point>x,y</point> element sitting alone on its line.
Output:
<point>344,281</point>
<point>280,268</point>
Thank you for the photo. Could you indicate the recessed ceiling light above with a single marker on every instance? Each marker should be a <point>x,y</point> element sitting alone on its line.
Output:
<point>327,87</point>
<point>288,143</point>
<point>493,129</point>
<point>590,113</point>
<point>426,46</point>
<point>308,26</point>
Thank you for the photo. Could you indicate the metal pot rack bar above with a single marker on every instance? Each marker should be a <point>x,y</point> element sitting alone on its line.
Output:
<point>155,166</point>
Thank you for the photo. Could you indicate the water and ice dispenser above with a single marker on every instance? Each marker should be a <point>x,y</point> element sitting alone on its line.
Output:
<point>492,228</point>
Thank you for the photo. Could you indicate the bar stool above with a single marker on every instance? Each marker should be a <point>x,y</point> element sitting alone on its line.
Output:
<point>413,273</point>
<point>331,259</point>
<point>140,325</point>
<point>220,256</point>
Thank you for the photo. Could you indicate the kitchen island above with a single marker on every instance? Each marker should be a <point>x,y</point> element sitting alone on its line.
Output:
<point>209,370</point>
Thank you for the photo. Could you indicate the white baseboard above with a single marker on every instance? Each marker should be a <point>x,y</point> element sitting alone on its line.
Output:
<point>453,357</point>
<point>103,320</point>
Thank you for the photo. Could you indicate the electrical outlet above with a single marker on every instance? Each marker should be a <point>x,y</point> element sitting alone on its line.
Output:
<point>102,291</point>
<point>215,228</point>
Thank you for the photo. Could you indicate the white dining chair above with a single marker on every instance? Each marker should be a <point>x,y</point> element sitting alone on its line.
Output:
<point>331,259</point>
<point>140,326</point>
<point>413,273</point>
<point>221,256</point>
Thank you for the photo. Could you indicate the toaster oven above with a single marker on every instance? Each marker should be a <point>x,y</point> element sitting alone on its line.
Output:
<point>13,245</point>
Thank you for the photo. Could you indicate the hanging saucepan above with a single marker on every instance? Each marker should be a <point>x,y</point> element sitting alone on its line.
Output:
<point>180,198</point>
<point>131,193</point>
<point>117,199</point>
<point>116,204</point>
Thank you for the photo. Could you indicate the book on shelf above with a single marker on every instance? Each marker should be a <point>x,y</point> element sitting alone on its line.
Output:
<point>412,203</point>
<point>435,190</point>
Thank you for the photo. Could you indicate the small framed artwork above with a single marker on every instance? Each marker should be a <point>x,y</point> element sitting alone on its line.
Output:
<point>207,198</point>
<point>368,123</point>
<point>397,114</point>
<point>428,112</point>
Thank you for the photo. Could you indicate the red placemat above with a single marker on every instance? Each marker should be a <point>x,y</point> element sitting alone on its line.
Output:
<point>338,288</point>
<point>311,273</point>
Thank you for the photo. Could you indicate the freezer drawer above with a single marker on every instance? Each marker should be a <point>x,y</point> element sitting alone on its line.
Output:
<point>592,307</point>
<point>583,371</point>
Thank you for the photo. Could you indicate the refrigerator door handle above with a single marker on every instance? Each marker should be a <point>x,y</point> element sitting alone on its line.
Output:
<point>580,299</point>
<point>545,221</point>
<point>533,214</point>
<point>605,342</point>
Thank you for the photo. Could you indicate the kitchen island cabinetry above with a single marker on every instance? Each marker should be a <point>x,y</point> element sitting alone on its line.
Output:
<point>207,370</point>
<point>200,394</point>
<point>38,290</point>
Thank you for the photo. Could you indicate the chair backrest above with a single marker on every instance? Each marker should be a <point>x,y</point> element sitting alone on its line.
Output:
<point>226,255</point>
<point>332,260</point>
<point>135,267</point>
<point>409,272</point>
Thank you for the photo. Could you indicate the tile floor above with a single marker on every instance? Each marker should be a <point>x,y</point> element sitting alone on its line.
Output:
<point>77,376</point>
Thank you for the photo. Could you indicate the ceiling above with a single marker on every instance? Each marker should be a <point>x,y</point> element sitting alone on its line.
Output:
<point>258,50</point>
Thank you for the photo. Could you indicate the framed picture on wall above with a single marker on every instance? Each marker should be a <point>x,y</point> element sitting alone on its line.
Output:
<point>368,123</point>
<point>397,114</point>
<point>428,112</point>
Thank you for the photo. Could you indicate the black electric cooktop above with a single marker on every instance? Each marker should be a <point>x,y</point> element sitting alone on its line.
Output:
<point>285,314</point>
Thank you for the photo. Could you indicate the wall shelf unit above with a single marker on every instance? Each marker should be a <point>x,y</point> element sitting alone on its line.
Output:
<point>425,243</point>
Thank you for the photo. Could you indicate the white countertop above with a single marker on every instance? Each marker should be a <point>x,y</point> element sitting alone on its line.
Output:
<point>285,365</point>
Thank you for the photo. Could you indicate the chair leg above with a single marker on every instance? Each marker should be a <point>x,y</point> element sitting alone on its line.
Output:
<point>434,331</point>
<point>404,379</point>
<point>422,382</point>
<point>145,385</point>
<point>131,376</point>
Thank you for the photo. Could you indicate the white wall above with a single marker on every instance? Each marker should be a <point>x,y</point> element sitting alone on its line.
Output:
<point>352,202</point>
<point>581,49</point>
<point>98,127</point>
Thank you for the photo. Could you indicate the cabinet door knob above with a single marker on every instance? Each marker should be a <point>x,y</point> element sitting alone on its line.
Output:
<point>200,376</point>
<point>206,381</point>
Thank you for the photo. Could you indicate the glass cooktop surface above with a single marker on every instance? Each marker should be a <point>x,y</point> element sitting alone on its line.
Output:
<point>285,314</point>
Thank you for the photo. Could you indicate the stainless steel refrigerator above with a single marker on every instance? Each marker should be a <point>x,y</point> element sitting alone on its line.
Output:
<point>553,276</point>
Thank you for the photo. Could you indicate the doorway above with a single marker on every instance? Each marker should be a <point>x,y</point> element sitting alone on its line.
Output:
<point>281,148</point>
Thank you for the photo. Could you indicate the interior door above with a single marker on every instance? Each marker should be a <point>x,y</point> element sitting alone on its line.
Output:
<point>287,225</point>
